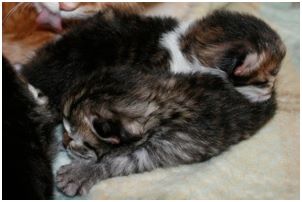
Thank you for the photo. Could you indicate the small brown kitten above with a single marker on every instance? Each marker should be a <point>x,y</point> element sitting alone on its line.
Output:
<point>249,53</point>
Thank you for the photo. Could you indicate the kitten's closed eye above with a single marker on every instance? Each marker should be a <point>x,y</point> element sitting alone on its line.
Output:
<point>232,59</point>
<point>112,132</point>
<point>108,131</point>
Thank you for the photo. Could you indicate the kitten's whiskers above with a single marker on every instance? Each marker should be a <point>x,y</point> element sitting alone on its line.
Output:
<point>14,9</point>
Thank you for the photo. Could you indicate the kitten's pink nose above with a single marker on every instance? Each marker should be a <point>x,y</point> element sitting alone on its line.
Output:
<point>68,6</point>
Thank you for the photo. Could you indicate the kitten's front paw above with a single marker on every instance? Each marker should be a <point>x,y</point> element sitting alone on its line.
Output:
<point>75,178</point>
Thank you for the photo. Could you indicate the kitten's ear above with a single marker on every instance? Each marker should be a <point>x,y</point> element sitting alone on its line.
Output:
<point>250,64</point>
<point>106,130</point>
<point>239,62</point>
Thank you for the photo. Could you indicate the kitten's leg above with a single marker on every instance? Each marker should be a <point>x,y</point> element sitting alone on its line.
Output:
<point>162,147</point>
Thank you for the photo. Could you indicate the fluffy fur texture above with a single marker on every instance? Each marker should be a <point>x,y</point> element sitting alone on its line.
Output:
<point>28,145</point>
<point>112,79</point>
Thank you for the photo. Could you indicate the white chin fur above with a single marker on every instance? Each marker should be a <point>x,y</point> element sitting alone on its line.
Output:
<point>54,7</point>
<point>255,94</point>
<point>51,6</point>
<point>78,13</point>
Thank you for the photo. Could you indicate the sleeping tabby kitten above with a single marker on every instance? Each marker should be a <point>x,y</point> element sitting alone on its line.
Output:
<point>185,91</point>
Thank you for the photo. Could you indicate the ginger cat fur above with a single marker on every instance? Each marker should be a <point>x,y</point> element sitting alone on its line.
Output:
<point>22,35</point>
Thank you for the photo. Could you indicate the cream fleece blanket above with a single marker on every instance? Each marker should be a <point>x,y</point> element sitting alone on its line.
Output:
<point>264,167</point>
